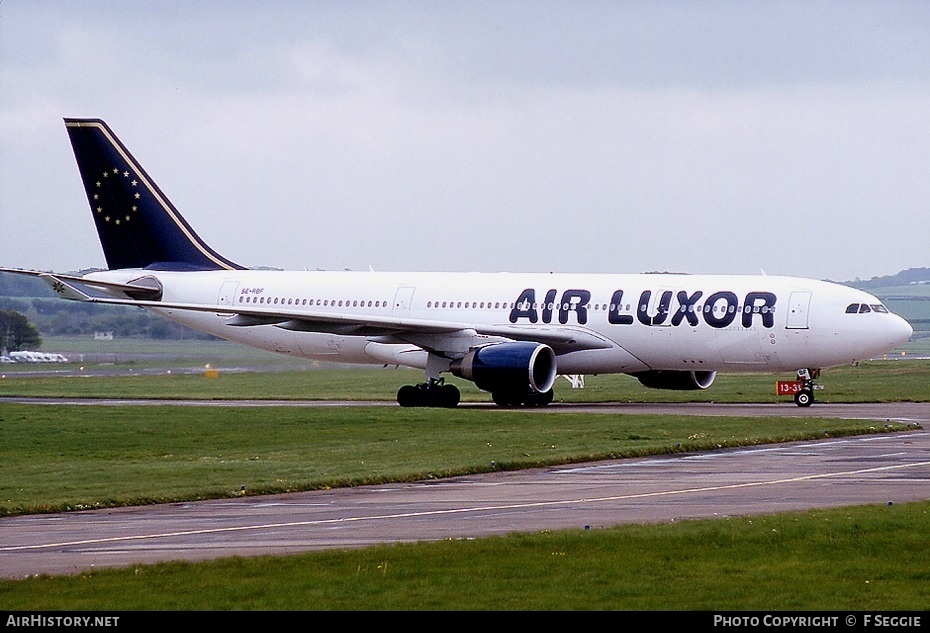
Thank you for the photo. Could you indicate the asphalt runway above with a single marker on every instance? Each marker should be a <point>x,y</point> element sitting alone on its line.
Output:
<point>884,468</point>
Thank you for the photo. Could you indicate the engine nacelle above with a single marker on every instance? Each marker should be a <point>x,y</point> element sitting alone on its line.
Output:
<point>676,380</point>
<point>518,367</point>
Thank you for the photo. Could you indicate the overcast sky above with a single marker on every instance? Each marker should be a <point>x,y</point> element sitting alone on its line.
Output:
<point>699,137</point>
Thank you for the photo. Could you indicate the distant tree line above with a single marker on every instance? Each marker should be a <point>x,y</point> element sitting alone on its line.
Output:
<point>903,278</point>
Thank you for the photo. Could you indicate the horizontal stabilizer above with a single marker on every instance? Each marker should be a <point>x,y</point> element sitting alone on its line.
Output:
<point>145,288</point>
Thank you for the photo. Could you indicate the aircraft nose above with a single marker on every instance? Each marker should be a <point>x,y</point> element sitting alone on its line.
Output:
<point>900,330</point>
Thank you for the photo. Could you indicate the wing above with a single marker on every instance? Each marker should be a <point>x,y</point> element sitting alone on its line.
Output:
<point>447,338</point>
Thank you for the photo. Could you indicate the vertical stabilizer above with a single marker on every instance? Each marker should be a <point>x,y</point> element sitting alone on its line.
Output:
<point>137,224</point>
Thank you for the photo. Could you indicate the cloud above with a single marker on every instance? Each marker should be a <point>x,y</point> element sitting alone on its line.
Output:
<point>698,137</point>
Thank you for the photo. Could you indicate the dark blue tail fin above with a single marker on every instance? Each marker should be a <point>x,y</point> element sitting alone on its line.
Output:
<point>138,226</point>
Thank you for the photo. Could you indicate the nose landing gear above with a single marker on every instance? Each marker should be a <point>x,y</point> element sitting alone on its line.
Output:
<point>802,389</point>
<point>805,395</point>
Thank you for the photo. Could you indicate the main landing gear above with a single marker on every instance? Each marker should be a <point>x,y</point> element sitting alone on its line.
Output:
<point>433,393</point>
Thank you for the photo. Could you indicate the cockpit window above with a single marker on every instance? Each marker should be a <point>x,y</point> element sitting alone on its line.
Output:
<point>862,308</point>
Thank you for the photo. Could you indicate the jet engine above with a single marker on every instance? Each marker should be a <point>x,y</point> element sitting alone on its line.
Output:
<point>518,367</point>
<point>676,380</point>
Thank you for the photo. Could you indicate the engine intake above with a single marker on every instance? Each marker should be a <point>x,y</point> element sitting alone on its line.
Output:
<point>676,380</point>
<point>519,367</point>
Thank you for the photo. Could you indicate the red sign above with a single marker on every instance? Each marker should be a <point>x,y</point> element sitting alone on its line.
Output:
<point>788,387</point>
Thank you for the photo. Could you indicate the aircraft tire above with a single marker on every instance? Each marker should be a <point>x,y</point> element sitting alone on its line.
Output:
<point>512,399</point>
<point>448,396</point>
<point>538,399</point>
<point>804,398</point>
<point>408,396</point>
<point>505,399</point>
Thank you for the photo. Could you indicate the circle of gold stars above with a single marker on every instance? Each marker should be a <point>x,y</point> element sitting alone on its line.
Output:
<point>98,208</point>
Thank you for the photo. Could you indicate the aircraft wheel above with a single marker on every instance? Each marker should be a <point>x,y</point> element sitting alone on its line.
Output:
<point>408,396</point>
<point>505,399</point>
<point>513,399</point>
<point>804,398</point>
<point>448,396</point>
<point>538,399</point>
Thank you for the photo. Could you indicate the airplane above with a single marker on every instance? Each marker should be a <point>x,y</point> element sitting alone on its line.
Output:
<point>511,334</point>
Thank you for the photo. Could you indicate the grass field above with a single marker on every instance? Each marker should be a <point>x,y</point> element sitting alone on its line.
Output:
<point>67,457</point>
<point>857,559</point>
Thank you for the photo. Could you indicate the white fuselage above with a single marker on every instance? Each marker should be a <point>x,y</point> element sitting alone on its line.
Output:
<point>644,322</point>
